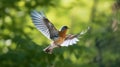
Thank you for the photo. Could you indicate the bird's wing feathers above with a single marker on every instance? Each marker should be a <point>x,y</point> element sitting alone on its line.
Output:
<point>52,30</point>
<point>44,25</point>
<point>72,39</point>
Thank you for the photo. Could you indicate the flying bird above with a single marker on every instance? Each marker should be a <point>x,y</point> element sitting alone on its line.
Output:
<point>59,37</point>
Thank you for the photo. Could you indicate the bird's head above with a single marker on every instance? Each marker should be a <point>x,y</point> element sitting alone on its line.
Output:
<point>64,28</point>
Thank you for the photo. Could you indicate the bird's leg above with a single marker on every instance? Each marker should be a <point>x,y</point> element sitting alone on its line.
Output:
<point>59,46</point>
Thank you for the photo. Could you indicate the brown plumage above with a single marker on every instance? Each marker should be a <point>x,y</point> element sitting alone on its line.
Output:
<point>59,38</point>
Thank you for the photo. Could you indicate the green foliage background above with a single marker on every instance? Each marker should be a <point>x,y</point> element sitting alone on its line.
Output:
<point>21,44</point>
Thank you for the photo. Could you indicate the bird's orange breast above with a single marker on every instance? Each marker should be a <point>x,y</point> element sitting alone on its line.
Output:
<point>62,36</point>
<point>62,33</point>
<point>59,41</point>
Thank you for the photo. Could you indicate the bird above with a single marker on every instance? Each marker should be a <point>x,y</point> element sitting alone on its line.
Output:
<point>59,38</point>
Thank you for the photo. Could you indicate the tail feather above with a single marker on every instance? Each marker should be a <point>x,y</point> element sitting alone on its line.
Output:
<point>48,49</point>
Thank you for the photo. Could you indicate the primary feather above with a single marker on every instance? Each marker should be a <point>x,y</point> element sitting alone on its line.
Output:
<point>44,25</point>
<point>72,39</point>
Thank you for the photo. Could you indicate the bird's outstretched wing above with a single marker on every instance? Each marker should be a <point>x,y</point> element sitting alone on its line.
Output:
<point>72,39</point>
<point>44,25</point>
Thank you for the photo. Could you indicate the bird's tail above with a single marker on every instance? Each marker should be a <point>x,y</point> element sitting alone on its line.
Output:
<point>49,49</point>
